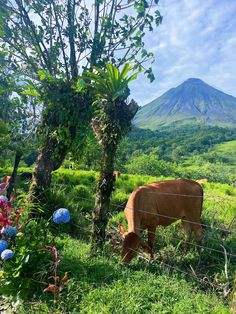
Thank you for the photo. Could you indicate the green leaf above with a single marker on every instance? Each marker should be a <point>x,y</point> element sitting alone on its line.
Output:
<point>45,76</point>
<point>79,85</point>
<point>125,70</point>
<point>30,92</point>
<point>109,84</point>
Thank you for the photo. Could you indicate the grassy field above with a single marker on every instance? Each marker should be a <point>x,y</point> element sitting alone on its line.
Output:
<point>173,283</point>
<point>227,151</point>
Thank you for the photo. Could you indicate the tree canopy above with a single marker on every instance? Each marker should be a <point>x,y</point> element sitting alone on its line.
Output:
<point>61,38</point>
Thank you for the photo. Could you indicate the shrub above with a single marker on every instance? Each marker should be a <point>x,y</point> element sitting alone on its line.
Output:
<point>21,274</point>
<point>150,164</point>
<point>23,270</point>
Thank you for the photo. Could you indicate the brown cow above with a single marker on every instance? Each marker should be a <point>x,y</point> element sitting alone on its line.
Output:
<point>155,204</point>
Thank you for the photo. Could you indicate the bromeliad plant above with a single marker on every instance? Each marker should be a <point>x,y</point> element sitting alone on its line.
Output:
<point>109,84</point>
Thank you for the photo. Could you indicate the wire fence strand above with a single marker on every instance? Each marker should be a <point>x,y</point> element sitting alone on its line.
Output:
<point>178,218</point>
<point>205,280</point>
<point>165,216</point>
<point>194,276</point>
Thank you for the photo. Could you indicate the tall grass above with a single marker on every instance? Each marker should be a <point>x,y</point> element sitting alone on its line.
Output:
<point>102,285</point>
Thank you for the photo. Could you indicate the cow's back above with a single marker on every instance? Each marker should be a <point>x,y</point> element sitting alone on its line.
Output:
<point>161,203</point>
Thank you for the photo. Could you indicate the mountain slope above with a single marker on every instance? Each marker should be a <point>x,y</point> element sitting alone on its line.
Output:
<point>192,102</point>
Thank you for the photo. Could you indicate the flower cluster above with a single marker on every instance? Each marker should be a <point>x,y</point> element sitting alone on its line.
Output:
<point>4,252</point>
<point>3,245</point>
<point>61,215</point>
<point>9,232</point>
<point>7,254</point>
<point>8,217</point>
<point>4,199</point>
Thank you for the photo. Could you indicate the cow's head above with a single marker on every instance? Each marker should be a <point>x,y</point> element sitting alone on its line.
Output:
<point>131,245</point>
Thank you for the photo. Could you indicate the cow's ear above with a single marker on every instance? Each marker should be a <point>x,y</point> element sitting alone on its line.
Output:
<point>122,230</point>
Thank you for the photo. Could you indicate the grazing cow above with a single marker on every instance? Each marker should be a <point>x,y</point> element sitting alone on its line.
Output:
<point>4,185</point>
<point>161,203</point>
<point>202,181</point>
<point>116,174</point>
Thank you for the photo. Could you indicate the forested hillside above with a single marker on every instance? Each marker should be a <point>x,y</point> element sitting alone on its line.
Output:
<point>193,152</point>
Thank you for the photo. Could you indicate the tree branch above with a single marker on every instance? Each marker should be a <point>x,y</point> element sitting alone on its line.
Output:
<point>24,55</point>
<point>71,34</point>
<point>37,39</point>
<point>96,39</point>
<point>61,42</point>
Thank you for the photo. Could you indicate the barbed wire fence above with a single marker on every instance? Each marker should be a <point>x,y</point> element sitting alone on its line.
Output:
<point>223,249</point>
<point>202,279</point>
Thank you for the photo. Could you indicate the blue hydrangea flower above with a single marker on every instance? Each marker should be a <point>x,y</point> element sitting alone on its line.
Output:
<point>3,245</point>
<point>61,215</point>
<point>7,254</point>
<point>10,232</point>
<point>4,198</point>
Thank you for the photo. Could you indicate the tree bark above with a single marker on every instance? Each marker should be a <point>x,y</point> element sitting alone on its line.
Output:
<point>103,197</point>
<point>50,158</point>
<point>12,184</point>
<point>108,133</point>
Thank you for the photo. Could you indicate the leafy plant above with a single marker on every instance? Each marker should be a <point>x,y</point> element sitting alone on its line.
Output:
<point>21,275</point>
<point>110,83</point>
<point>59,283</point>
<point>26,273</point>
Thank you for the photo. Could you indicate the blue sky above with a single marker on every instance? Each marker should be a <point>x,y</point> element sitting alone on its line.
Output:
<point>196,39</point>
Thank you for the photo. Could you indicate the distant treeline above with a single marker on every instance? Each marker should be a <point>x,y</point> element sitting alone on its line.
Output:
<point>183,152</point>
<point>177,143</point>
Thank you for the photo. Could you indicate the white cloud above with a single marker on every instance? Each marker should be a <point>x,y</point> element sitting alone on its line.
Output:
<point>196,39</point>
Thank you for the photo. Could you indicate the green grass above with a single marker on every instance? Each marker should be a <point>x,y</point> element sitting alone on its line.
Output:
<point>226,151</point>
<point>101,285</point>
<point>227,147</point>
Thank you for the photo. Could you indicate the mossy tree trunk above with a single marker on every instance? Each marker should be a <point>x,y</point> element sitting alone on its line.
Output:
<point>49,159</point>
<point>63,129</point>
<point>102,203</point>
<point>112,124</point>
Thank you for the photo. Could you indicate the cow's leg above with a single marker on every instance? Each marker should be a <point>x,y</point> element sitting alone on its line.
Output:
<point>197,229</point>
<point>147,247</point>
<point>187,234</point>
<point>151,238</point>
